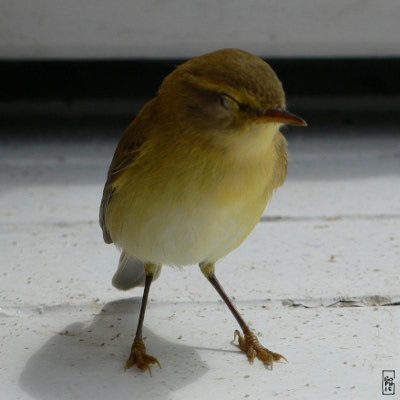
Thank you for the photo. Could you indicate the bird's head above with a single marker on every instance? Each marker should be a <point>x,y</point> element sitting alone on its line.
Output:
<point>225,91</point>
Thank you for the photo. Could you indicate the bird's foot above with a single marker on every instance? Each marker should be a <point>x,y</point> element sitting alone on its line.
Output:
<point>253,348</point>
<point>139,357</point>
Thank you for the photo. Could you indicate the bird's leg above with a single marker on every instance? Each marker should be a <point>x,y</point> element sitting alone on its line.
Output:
<point>138,354</point>
<point>248,342</point>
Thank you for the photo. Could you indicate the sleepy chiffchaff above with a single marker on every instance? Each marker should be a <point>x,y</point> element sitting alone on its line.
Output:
<point>192,174</point>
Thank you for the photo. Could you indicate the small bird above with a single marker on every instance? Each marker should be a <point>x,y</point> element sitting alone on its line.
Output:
<point>192,174</point>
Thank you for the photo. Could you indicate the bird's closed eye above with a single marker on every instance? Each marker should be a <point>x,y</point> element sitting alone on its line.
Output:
<point>228,103</point>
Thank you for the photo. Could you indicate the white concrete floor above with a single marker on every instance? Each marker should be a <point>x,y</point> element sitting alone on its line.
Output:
<point>318,279</point>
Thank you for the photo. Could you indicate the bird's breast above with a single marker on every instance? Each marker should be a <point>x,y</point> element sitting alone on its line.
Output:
<point>191,208</point>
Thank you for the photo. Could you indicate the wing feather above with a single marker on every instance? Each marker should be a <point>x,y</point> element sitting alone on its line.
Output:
<point>125,154</point>
<point>280,167</point>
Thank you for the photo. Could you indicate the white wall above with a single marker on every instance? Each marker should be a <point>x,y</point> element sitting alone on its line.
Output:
<point>182,28</point>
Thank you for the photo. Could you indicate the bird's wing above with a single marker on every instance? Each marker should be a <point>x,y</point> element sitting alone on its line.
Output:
<point>125,154</point>
<point>280,168</point>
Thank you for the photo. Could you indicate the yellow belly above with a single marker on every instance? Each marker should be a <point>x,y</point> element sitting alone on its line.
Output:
<point>195,212</point>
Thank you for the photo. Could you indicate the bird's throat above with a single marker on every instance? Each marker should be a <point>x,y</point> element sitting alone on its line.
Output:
<point>252,142</point>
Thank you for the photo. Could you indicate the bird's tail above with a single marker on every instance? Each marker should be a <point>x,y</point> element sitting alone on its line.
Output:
<point>130,273</point>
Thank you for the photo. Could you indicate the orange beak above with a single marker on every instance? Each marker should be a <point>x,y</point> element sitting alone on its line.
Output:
<point>282,116</point>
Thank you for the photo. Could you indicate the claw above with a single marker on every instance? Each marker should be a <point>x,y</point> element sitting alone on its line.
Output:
<point>250,344</point>
<point>139,357</point>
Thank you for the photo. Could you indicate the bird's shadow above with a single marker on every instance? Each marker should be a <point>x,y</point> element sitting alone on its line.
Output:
<point>86,361</point>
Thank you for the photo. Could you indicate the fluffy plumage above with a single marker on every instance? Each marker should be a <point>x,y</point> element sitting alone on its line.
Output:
<point>194,171</point>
